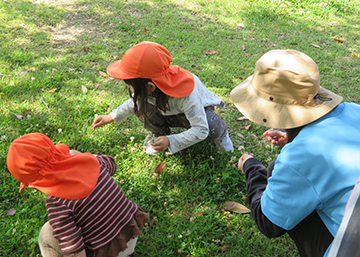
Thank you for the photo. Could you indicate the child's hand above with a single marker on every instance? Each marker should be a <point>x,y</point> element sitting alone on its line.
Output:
<point>276,137</point>
<point>102,120</point>
<point>73,152</point>
<point>242,160</point>
<point>161,143</point>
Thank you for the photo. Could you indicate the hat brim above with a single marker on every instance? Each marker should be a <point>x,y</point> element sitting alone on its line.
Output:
<point>282,116</point>
<point>114,70</point>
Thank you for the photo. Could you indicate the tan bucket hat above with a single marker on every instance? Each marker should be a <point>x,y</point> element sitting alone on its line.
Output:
<point>284,91</point>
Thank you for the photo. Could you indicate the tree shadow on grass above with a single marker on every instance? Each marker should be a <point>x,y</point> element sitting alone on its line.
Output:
<point>65,46</point>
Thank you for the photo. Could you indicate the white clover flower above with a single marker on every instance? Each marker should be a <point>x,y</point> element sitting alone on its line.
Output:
<point>122,182</point>
<point>47,123</point>
<point>267,146</point>
<point>80,131</point>
<point>47,71</point>
<point>126,130</point>
<point>241,148</point>
<point>77,106</point>
<point>269,159</point>
<point>32,78</point>
<point>169,236</point>
<point>96,115</point>
<point>132,139</point>
<point>28,117</point>
<point>92,135</point>
<point>217,180</point>
<point>212,158</point>
<point>180,236</point>
<point>3,137</point>
<point>59,130</point>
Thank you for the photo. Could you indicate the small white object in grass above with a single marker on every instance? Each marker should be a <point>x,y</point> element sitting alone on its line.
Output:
<point>59,130</point>
<point>241,148</point>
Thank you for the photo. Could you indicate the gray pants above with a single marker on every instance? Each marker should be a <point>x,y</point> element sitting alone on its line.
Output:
<point>160,125</point>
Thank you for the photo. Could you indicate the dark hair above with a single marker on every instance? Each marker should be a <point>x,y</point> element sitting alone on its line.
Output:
<point>292,133</point>
<point>140,97</point>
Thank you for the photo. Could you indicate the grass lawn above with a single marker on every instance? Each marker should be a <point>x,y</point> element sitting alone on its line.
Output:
<point>53,59</point>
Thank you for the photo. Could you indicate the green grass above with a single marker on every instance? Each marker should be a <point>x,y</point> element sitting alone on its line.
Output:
<point>50,49</point>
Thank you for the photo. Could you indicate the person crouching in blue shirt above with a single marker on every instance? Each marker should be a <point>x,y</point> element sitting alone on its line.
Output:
<point>305,191</point>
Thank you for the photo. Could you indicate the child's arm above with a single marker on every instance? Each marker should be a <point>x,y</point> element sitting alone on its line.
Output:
<point>194,111</point>
<point>124,111</point>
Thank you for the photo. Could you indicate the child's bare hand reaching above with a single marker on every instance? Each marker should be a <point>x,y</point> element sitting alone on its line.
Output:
<point>102,120</point>
<point>276,137</point>
<point>161,143</point>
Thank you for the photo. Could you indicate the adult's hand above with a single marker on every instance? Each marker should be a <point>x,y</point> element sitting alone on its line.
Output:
<point>102,120</point>
<point>276,137</point>
<point>243,159</point>
<point>161,143</point>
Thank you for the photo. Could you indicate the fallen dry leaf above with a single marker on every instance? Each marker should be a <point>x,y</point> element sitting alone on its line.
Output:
<point>198,214</point>
<point>97,85</point>
<point>242,118</point>
<point>102,73</point>
<point>239,134</point>
<point>145,30</point>
<point>187,215</point>
<point>243,47</point>
<point>23,73</point>
<point>241,78</point>
<point>248,127</point>
<point>211,52</point>
<point>83,88</point>
<point>26,111</point>
<point>317,46</point>
<point>339,40</point>
<point>235,207</point>
<point>224,248</point>
<point>354,55</point>
<point>17,115</point>
<point>85,49</point>
<point>160,168</point>
<point>11,212</point>
<point>52,90</point>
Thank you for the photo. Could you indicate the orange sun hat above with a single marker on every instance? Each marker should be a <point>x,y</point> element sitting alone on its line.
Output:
<point>149,60</point>
<point>34,160</point>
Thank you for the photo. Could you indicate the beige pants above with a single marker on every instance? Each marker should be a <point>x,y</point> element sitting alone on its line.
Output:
<point>49,246</point>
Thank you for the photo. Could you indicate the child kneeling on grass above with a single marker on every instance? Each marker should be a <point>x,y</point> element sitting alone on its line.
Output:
<point>165,96</point>
<point>89,215</point>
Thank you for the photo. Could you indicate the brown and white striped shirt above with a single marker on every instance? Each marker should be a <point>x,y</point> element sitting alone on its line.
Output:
<point>95,220</point>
